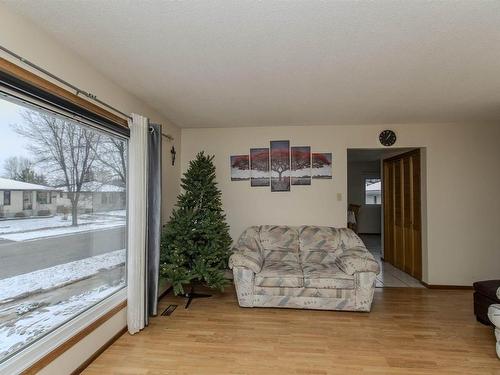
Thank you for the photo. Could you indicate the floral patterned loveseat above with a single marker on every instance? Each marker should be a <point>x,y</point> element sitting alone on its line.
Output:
<point>307,267</point>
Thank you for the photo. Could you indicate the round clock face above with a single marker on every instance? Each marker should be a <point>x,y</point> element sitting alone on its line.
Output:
<point>387,137</point>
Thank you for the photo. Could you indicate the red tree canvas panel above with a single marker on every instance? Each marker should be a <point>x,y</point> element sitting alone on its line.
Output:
<point>259,167</point>
<point>280,165</point>
<point>300,165</point>
<point>240,168</point>
<point>322,165</point>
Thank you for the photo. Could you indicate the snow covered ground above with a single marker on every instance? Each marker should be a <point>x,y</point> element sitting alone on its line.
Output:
<point>33,324</point>
<point>33,304</point>
<point>116,213</point>
<point>57,276</point>
<point>29,229</point>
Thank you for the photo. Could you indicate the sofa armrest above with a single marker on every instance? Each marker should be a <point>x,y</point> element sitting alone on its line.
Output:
<point>247,252</point>
<point>244,279</point>
<point>246,259</point>
<point>357,260</point>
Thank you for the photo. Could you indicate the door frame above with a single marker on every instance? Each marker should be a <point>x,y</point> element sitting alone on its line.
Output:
<point>422,205</point>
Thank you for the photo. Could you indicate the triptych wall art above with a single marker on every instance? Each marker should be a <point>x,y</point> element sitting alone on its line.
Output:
<point>281,166</point>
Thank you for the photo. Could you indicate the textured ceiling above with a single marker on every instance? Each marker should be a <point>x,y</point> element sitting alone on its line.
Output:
<point>236,63</point>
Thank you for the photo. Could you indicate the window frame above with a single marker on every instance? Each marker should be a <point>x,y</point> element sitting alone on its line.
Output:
<point>44,346</point>
<point>55,340</point>
<point>39,195</point>
<point>5,194</point>
<point>366,203</point>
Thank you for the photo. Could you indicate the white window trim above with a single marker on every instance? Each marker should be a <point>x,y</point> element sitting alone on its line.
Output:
<point>42,347</point>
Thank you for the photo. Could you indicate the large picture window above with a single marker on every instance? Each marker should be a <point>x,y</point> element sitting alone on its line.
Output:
<point>62,247</point>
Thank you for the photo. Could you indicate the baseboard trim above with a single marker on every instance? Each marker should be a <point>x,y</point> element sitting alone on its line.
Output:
<point>99,351</point>
<point>447,287</point>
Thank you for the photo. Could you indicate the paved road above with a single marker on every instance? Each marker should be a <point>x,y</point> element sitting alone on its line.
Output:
<point>27,256</point>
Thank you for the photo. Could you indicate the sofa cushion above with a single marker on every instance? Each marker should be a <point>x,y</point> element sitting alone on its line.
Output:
<point>304,292</point>
<point>279,238</point>
<point>318,256</point>
<point>282,256</point>
<point>280,274</point>
<point>349,239</point>
<point>326,275</point>
<point>314,238</point>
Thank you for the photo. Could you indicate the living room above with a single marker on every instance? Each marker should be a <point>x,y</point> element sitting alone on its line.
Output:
<point>156,83</point>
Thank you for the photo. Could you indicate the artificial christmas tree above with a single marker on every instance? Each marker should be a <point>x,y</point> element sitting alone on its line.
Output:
<point>195,244</point>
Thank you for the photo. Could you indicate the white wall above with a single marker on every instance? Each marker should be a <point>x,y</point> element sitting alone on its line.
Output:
<point>369,214</point>
<point>25,39</point>
<point>460,213</point>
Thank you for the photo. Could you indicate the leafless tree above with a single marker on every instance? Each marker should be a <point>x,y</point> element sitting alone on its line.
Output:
<point>112,158</point>
<point>22,169</point>
<point>64,149</point>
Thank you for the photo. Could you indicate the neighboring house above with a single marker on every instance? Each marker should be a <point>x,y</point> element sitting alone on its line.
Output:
<point>99,197</point>
<point>22,199</point>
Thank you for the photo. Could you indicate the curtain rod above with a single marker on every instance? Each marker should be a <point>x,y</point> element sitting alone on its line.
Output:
<point>168,136</point>
<point>60,80</point>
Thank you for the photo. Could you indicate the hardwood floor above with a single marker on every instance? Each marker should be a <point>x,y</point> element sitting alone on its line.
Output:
<point>409,331</point>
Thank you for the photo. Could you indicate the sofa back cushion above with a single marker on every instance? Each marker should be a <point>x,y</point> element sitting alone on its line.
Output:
<point>318,244</point>
<point>314,238</point>
<point>349,239</point>
<point>279,238</point>
<point>279,242</point>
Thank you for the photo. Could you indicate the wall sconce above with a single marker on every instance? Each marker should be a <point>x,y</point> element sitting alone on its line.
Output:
<point>173,152</point>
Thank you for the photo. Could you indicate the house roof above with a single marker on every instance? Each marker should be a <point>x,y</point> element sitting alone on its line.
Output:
<point>8,184</point>
<point>373,187</point>
<point>97,187</point>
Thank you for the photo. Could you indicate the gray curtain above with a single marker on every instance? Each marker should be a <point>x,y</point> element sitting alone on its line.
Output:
<point>154,220</point>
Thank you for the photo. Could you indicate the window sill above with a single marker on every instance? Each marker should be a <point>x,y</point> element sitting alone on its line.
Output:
<point>57,342</point>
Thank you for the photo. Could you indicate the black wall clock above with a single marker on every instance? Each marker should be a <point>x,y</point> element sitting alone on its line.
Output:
<point>387,137</point>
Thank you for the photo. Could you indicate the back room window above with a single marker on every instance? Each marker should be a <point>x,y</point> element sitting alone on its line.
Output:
<point>373,192</point>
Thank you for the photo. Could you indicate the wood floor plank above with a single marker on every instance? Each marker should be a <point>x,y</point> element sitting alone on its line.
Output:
<point>409,331</point>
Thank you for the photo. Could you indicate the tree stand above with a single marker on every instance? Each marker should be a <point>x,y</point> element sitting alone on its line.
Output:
<point>193,295</point>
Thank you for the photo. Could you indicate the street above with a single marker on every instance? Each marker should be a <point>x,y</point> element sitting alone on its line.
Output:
<point>22,257</point>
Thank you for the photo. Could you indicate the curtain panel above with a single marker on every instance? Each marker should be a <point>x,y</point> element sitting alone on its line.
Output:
<point>137,223</point>
<point>154,218</point>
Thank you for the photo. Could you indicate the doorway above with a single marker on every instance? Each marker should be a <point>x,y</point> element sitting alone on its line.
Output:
<point>27,200</point>
<point>368,174</point>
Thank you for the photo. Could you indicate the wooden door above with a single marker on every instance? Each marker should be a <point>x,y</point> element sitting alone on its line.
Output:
<point>402,215</point>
